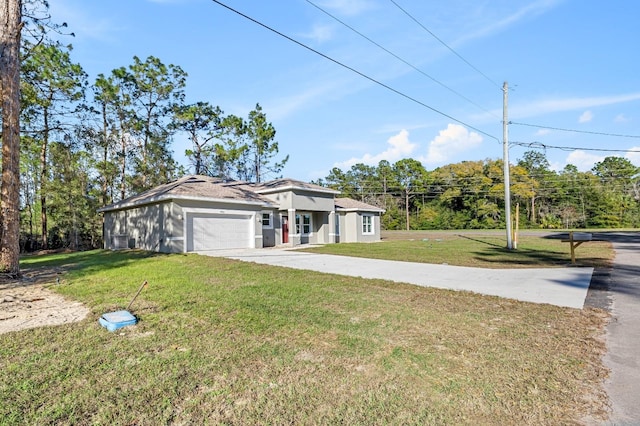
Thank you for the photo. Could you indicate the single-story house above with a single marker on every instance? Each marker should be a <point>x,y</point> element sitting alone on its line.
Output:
<point>197,213</point>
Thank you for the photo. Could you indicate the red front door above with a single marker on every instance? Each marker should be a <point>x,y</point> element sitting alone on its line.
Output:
<point>285,229</point>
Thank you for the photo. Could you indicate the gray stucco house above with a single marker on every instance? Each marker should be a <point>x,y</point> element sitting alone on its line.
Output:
<point>197,213</point>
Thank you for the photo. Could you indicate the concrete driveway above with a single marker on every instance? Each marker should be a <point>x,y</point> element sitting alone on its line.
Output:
<point>565,287</point>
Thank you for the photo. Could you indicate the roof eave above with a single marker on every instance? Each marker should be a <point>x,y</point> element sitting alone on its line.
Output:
<point>357,209</point>
<point>293,187</point>
<point>161,198</point>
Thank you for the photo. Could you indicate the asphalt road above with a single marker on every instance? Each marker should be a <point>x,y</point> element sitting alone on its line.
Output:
<point>618,290</point>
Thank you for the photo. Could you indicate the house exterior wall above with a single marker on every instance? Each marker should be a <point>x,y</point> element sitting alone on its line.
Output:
<point>375,236</point>
<point>142,227</point>
<point>298,201</point>
<point>269,233</point>
<point>303,200</point>
<point>321,228</point>
<point>161,227</point>
<point>316,202</point>
<point>350,227</point>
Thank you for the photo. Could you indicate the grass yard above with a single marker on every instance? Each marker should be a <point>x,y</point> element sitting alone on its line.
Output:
<point>226,342</point>
<point>484,249</point>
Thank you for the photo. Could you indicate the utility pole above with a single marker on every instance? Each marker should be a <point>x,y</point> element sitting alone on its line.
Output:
<point>505,159</point>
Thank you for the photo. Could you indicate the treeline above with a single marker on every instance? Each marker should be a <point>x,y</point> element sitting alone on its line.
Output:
<point>85,145</point>
<point>470,194</point>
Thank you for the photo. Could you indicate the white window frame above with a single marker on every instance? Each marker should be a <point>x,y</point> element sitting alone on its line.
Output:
<point>368,224</point>
<point>268,224</point>
<point>300,225</point>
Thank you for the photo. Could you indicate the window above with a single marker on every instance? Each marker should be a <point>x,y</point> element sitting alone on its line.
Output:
<point>367,224</point>
<point>306,224</point>
<point>267,220</point>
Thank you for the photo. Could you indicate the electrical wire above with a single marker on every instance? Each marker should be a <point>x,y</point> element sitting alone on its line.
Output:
<point>575,130</point>
<point>540,145</point>
<point>401,59</point>
<point>361,74</point>
<point>446,45</point>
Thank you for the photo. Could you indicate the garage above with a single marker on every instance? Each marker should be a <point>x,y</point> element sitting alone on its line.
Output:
<point>219,231</point>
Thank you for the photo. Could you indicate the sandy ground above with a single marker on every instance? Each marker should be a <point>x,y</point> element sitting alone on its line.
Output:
<point>28,302</point>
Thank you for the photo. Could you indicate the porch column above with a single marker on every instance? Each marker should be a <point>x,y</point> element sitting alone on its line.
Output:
<point>294,238</point>
<point>332,227</point>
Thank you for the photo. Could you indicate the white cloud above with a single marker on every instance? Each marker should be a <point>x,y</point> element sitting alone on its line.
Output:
<point>286,106</point>
<point>399,147</point>
<point>347,7</point>
<point>586,117</point>
<point>543,132</point>
<point>531,10</point>
<point>583,160</point>
<point>621,118</point>
<point>83,25</point>
<point>567,104</point>
<point>634,157</point>
<point>450,141</point>
<point>320,33</point>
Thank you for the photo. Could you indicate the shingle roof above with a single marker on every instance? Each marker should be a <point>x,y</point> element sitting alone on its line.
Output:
<point>215,189</point>
<point>285,183</point>
<point>347,204</point>
<point>196,188</point>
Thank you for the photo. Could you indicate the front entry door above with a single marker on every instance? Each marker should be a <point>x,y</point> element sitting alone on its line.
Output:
<point>285,229</point>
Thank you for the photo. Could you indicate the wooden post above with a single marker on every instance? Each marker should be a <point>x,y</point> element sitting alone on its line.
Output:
<point>516,226</point>
<point>573,249</point>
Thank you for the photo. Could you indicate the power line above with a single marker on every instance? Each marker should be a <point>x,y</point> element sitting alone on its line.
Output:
<point>400,58</point>
<point>446,45</point>
<point>361,74</point>
<point>576,131</point>
<point>541,145</point>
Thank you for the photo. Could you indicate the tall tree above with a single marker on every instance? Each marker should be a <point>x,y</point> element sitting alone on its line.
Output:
<point>10,28</point>
<point>155,90</point>
<point>385,181</point>
<point>341,181</point>
<point>118,101</point>
<point>53,87</point>
<point>72,203</point>
<point>384,176</point>
<point>615,170</point>
<point>364,180</point>
<point>537,166</point>
<point>203,123</point>
<point>246,148</point>
<point>104,134</point>
<point>411,177</point>
<point>617,176</point>
<point>261,147</point>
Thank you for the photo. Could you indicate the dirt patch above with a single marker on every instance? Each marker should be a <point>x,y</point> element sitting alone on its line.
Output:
<point>28,302</point>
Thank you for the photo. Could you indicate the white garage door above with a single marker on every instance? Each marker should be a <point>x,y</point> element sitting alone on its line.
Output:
<point>213,232</point>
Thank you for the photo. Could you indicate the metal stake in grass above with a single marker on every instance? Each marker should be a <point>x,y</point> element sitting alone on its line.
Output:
<point>144,284</point>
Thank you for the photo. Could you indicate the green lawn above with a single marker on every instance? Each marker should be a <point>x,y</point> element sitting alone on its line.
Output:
<point>226,342</point>
<point>481,249</point>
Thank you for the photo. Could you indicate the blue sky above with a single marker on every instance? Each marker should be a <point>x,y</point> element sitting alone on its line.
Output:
<point>570,64</point>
